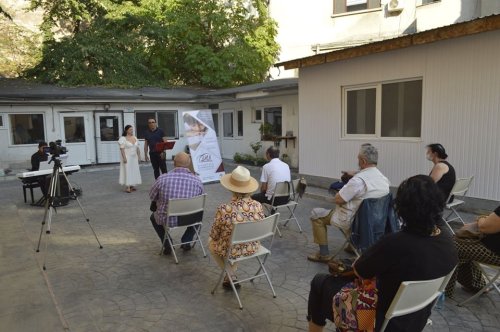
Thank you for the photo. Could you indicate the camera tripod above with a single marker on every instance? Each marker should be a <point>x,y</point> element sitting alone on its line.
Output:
<point>49,205</point>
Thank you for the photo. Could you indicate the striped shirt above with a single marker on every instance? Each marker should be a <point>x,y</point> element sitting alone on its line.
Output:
<point>178,183</point>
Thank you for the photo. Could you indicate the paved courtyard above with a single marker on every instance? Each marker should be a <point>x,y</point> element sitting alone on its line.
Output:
<point>127,286</point>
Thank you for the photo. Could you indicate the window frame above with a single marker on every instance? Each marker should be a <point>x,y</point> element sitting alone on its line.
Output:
<point>378,111</point>
<point>3,121</point>
<point>340,7</point>
<point>9,128</point>
<point>254,115</point>
<point>175,112</point>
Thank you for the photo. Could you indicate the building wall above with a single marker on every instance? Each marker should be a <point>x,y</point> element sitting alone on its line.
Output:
<point>289,105</point>
<point>461,110</point>
<point>302,24</point>
<point>15,156</point>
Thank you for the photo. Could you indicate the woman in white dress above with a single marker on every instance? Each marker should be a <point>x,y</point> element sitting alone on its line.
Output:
<point>130,175</point>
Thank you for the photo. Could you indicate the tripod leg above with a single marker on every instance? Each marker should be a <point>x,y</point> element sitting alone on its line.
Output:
<point>48,206</point>
<point>71,190</point>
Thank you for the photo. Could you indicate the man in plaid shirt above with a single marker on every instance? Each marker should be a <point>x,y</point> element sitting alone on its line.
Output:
<point>178,183</point>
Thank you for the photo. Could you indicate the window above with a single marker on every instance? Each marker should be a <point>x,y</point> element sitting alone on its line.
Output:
<point>74,129</point>
<point>392,109</point>
<point>272,121</point>
<point>257,115</point>
<point>227,124</point>
<point>27,128</point>
<point>166,120</point>
<point>426,2</point>
<point>361,111</point>
<point>345,6</point>
<point>240,123</point>
<point>109,128</point>
<point>402,109</point>
<point>215,119</point>
<point>1,121</point>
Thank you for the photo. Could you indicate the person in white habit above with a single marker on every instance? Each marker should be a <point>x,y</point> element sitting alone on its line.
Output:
<point>130,175</point>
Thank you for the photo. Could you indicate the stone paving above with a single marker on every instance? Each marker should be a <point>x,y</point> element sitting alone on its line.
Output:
<point>127,286</point>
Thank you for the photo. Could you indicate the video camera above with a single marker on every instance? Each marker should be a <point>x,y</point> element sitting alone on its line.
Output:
<point>55,148</point>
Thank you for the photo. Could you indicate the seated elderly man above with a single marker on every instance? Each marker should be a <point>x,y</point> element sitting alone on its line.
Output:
<point>178,183</point>
<point>273,172</point>
<point>369,182</point>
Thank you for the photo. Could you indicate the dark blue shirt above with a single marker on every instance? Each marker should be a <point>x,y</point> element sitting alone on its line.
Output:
<point>153,137</point>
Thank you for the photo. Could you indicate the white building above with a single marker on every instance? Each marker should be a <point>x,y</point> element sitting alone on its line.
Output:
<point>400,94</point>
<point>308,27</point>
<point>89,121</point>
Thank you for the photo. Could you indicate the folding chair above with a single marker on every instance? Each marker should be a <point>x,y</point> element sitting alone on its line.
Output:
<point>285,189</point>
<point>491,278</point>
<point>460,188</point>
<point>249,231</point>
<point>184,207</point>
<point>413,296</point>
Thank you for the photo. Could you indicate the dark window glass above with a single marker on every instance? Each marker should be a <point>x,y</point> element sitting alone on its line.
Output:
<point>168,122</point>
<point>240,123</point>
<point>272,117</point>
<point>402,109</point>
<point>27,128</point>
<point>74,129</point>
<point>141,122</point>
<point>109,128</point>
<point>227,124</point>
<point>361,109</point>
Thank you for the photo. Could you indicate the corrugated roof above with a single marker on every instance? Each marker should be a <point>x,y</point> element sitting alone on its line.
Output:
<point>479,25</point>
<point>18,90</point>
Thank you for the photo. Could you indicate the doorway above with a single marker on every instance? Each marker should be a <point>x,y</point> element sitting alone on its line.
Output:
<point>77,138</point>
<point>107,127</point>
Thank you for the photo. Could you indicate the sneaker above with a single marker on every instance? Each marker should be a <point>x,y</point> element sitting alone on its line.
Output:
<point>319,258</point>
<point>227,285</point>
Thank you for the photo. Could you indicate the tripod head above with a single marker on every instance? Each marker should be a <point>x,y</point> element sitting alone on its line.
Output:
<point>56,160</point>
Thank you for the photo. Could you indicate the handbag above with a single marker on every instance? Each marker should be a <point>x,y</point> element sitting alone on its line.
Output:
<point>354,306</point>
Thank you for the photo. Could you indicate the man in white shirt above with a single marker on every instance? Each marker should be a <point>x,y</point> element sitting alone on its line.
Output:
<point>369,182</point>
<point>273,172</point>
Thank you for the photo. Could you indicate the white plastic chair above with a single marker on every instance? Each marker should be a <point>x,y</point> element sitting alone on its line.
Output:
<point>492,274</point>
<point>285,189</point>
<point>249,231</point>
<point>460,188</point>
<point>413,296</point>
<point>184,207</point>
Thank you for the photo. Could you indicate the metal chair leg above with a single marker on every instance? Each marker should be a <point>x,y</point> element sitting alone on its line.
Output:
<point>267,276</point>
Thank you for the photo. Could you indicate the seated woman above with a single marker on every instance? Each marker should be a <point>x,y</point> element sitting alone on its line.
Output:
<point>485,250</point>
<point>442,172</point>
<point>419,252</point>
<point>241,208</point>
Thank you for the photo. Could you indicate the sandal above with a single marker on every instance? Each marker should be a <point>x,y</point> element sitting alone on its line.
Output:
<point>128,191</point>
<point>227,285</point>
<point>133,188</point>
<point>319,258</point>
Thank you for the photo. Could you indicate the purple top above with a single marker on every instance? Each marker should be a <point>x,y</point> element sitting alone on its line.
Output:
<point>178,183</point>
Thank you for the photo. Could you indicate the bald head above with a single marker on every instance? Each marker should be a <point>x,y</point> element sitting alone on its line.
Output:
<point>182,159</point>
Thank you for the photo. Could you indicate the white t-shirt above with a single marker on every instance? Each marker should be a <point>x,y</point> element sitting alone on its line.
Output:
<point>273,172</point>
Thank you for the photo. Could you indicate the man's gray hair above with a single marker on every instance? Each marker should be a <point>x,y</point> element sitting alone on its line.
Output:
<point>369,152</point>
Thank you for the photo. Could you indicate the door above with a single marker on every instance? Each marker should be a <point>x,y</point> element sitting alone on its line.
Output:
<point>107,127</point>
<point>77,138</point>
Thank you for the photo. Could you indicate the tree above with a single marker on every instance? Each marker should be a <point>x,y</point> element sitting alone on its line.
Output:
<point>19,47</point>
<point>211,43</point>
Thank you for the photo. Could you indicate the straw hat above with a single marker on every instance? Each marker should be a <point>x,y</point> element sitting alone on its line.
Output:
<point>239,181</point>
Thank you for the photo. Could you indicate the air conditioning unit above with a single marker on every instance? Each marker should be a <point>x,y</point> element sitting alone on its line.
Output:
<point>395,6</point>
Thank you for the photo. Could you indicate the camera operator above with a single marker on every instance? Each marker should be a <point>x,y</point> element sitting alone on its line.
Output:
<point>36,158</point>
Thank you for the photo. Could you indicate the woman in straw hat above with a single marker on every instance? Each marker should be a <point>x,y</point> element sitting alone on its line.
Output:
<point>241,208</point>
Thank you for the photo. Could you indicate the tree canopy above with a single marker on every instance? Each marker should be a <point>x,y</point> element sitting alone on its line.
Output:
<point>210,43</point>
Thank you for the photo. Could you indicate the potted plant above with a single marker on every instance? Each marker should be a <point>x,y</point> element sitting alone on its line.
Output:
<point>266,131</point>
<point>255,148</point>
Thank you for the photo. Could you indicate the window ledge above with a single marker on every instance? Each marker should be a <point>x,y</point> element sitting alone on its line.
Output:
<point>383,139</point>
<point>364,11</point>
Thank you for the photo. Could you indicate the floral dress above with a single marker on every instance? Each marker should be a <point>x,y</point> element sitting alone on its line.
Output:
<point>238,210</point>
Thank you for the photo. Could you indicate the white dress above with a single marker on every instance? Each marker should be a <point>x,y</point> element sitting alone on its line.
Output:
<point>129,171</point>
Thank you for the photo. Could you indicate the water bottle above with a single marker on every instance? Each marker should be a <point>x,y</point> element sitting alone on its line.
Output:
<point>440,302</point>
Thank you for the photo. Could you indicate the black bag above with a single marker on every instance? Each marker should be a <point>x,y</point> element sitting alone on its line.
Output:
<point>152,207</point>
